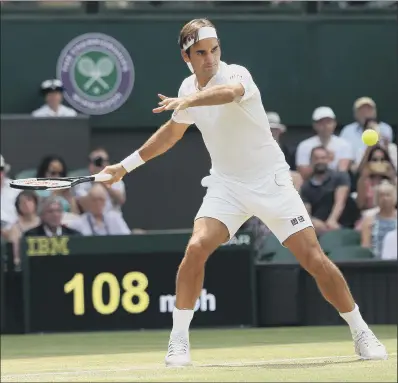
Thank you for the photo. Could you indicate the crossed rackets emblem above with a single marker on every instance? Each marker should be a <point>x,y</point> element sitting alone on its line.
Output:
<point>95,71</point>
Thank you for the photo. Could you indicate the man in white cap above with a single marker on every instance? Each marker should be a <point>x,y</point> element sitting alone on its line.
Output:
<point>340,152</point>
<point>364,110</point>
<point>52,93</point>
<point>8,196</point>
<point>249,177</point>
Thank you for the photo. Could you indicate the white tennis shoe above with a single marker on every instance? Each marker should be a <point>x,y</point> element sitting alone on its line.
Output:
<point>368,347</point>
<point>178,354</point>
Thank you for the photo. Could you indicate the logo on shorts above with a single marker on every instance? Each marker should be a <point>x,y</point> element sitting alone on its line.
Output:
<point>97,73</point>
<point>295,221</point>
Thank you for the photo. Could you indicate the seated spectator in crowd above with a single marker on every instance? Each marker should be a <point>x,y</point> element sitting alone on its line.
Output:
<point>389,250</point>
<point>52,91</point>
<point>51,211</point>
<point>362,152</point>
<point>376,227</point>
<point>277,129</point>
<point>26,205</point>
<point>375,168</point>
<point>340,154</point>
<point>98,221</point>
<point>8,197</point>
<point>326,195</point>
<point>116,193</point>
<point>55,166</point>
<point>364,109</point>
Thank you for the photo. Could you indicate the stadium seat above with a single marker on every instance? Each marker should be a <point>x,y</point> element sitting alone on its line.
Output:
<point>338,238</point>
<point>78,172</point>
<point>351,253</point>
<point>283,255</point>
<point>27,173</point>
<point>272,245</point>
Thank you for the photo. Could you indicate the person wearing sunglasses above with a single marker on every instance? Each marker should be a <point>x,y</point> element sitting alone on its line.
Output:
<point>374,169</point>
<point>55,166</point>
<point>115,193</point>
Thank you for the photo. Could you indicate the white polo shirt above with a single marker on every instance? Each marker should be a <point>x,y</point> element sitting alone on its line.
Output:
<point>237,135</point>
<point>352,133</point>
<point>339,148</point>
<point>81,190</point>
<point>8,196</point>
<point>46,111</point>
<point>389,249</point>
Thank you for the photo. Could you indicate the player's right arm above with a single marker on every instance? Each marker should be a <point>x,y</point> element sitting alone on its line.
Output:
<point>160,142</point>
<point>163,140</point>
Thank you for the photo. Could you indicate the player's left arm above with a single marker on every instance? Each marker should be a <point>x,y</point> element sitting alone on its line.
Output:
<point>340,199</point>
<point>217,95</point>
<point>238,86</point>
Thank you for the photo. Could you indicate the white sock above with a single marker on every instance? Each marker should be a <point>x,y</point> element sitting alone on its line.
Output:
<point>354,320</point>
<point>181,320</point>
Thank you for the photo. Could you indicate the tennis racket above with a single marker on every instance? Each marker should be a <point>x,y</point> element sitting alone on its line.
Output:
<point>56,183</point>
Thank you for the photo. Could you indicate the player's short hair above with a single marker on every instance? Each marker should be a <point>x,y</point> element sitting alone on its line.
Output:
<point>190,31</point>
<point>320,147</point>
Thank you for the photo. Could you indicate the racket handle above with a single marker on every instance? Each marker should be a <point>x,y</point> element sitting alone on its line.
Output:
<point>102,177</point>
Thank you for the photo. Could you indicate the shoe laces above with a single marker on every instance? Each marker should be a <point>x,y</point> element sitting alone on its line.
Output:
<point>178,345</point>
<point>367,338</point>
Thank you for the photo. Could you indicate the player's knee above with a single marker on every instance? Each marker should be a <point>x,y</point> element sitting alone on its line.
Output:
<point>197,251</point>
<point>315,261</point>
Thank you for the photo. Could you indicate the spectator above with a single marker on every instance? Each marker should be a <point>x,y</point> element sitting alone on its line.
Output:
<point>325,195</point>
<point>376,227</point>
<point>116,193</point>
<point>8,197</point>
<point>52,91</point>
<point>277,129</point>
<point>375,168</point>
<point>389,250</point>
<point>364,109</point>
<point>55,166</point>
<point>51,217</point>
<point>340,154</point>
<point>362,152</point>
<point>97,221</point>
<point>26,205</point>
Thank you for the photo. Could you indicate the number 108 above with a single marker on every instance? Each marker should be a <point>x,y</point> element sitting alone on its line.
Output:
<point>134,284</point>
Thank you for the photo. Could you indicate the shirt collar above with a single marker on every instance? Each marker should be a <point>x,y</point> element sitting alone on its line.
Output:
<point>315,182</point>
<point>49,233</point>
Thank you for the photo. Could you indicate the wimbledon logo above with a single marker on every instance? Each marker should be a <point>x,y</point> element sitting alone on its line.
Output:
<point>97,73</point>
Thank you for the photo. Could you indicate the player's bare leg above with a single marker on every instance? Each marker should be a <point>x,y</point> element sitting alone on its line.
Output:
<point>208,234</point>
<point>305,246</point>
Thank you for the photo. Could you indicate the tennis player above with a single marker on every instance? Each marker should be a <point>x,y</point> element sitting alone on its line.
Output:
<point>249,176</point>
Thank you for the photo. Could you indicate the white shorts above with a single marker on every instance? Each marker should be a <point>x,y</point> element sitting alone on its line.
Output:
<point>275,201</point>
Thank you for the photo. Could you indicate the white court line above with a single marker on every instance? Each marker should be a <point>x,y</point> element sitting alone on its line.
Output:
<point>161,366</point>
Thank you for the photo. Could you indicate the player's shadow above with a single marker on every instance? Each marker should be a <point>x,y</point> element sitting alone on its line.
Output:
<point>284,366</point>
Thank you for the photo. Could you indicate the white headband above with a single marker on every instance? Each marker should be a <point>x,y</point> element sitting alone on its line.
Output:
<point>203,33</point>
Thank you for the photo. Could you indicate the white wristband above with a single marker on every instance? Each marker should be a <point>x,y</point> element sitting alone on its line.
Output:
<point>132,161</point>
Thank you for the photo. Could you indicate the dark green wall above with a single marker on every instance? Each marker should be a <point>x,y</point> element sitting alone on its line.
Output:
<point>298,62</point>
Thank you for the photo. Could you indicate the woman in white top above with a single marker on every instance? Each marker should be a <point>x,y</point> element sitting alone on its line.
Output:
<point>26,206</point>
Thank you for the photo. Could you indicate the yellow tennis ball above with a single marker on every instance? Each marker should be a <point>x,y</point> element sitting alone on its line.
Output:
<point>370,137</point>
